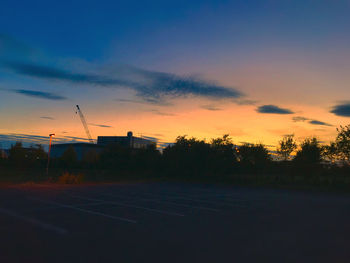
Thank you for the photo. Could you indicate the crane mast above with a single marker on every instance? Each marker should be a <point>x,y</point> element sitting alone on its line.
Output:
<point>82,118</point>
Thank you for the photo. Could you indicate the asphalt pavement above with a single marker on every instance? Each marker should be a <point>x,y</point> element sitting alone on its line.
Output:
<point>171,222</point>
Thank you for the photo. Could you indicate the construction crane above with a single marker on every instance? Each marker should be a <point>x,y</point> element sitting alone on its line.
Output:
<point>82,118</point>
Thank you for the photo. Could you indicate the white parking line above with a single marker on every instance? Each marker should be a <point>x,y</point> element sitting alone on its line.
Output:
<point>127,205</point>
<point>167,202</point>
<point>223,198</point>
<point>34,221</point>
<point>85,210</point>
<point>196,200</point>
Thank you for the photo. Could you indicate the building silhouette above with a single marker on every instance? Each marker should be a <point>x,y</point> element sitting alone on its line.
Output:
<point>82,148</point>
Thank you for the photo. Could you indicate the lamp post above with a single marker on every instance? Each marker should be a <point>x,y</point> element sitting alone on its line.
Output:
<point>48,155</point>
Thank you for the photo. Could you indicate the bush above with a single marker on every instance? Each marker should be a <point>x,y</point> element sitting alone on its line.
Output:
<point>69,178</point>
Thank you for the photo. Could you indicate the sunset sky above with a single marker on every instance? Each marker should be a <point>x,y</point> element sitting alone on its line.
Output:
<point>256,70</point>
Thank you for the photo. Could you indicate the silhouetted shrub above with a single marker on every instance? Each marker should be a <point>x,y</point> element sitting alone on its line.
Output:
<point>69,178</point>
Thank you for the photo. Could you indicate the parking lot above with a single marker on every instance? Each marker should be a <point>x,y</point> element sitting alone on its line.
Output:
<point>171,222</point>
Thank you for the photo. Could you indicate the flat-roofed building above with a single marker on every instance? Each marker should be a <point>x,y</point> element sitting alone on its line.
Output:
<point>128,141</point>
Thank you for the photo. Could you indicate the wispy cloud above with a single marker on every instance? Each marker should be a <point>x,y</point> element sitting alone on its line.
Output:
<point>151,86</point>
<point>211,107</point>
<point>38,94</point>
<point>154,139</point>
<point>149,101</point>
<point>52,73</point>
<point>47,118</point>
<point>163,145</point>
<point>74,138</point>
<point>241,101</point>
<point>299,119</point>
<point>310,121</point>
<point>6,140</point>
<point>101,125</point>
<point>161,113</point>
<point>341,109</point>
<point>273,109</point>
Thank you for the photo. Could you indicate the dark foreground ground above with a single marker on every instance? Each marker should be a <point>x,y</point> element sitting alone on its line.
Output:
<point>171,222</point>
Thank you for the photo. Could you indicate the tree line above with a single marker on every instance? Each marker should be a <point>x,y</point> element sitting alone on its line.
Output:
<point>191,156</point>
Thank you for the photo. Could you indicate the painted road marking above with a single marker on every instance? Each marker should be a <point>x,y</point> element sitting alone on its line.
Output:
<point>85,210</point>
<point>167,202</point>
<point>35,222</point>
<point>128,205</point>
<point>195,200</point>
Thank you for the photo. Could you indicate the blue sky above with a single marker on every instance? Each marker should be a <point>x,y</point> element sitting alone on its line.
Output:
<point>94,30</point>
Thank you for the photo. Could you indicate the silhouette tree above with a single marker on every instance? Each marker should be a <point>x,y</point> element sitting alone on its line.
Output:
<point>223,153</point>
<point>343,143</point>
<point>69,157</point>
<point>330,152</point>
<point>36,156</point>
<point>310,152</point>
<point>146,159</point>
<point>286,146</point>
<point>188,156</point>
<point>17,154</point>
<point>253,155</point>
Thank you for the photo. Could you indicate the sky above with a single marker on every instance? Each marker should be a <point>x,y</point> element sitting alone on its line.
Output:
<point>256,70</point>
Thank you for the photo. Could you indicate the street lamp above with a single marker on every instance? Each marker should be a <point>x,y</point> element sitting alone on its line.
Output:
<point>48,155</point>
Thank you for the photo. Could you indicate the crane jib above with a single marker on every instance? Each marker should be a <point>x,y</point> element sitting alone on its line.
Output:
<point>82,118</point>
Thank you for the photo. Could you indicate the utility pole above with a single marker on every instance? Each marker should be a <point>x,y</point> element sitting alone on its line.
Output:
<point>48,155</point>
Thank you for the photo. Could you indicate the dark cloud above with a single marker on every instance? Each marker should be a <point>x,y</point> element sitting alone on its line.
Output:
<point>300,119</point>
<point>272,109</point>
<point>47,118</point>
<point>316,122</point>
<point>101,125</point>
<point>51,73</point>
<point>341,109</point>
<point>159,84</point>
<point>210,107</point>
<point>151,86</point>
<point>39,94</point>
